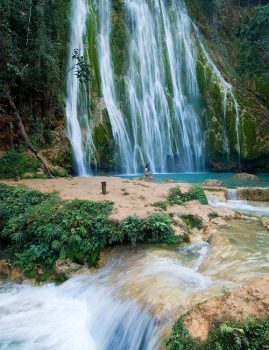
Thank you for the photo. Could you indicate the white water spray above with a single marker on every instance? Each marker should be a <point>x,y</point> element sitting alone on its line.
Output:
<point>232,194</point>
<point>83,314</point>
<point>77,111</point>
<point>158,124</point>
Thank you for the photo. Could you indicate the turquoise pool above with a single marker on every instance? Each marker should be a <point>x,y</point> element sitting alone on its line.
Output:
<point>198,178</point>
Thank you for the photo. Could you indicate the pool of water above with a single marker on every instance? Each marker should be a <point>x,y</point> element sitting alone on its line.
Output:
<point>199,178</point>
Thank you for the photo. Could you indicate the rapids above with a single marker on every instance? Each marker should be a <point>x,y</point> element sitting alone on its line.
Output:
<point>129,302</point>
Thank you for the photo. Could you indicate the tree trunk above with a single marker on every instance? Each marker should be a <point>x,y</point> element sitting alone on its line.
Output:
<point>25,137</point>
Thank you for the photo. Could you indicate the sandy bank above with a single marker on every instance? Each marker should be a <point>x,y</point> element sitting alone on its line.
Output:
<point>130,197</point>
<point>237,304</point>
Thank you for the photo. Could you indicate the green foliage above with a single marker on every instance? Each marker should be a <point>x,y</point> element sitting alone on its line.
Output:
<point>39,228</point>
<point>249,335</point>
<point>196,192</point>
<point>162,205</point>
<point>179,338</point>
<point>175,196</point>
<point>59,171</point>
<point>43,228</point>
<point>131,230</point>
<point>254,46</point>
<point>193,221</point>
<point>81,67</point>
<point>14,164</point>
<point>33,37</point>
<point>213,215</point>
<point>155,229</point>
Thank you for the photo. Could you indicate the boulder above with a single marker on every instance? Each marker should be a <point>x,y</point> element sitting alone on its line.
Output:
<point>27,175</point>
<point>6,272</point>
<point>265,222</point>
<point>258,194</point>
<point>66,267</point>
<point>245,177</point>
<point>213,183</point>
<point>59,171</point>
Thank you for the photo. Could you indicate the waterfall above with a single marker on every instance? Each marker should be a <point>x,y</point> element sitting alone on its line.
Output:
<point>156,124</point>
<point>154,105</point>
<point>118,124</point>
<point>77,111</point>
<point>232,194</point>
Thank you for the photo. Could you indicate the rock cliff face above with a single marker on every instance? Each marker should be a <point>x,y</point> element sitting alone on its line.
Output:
<point>235,35</point>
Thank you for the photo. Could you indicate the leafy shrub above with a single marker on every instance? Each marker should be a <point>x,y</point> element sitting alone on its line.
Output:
<point>249,335</point>
<point>162,205</point>
<point>131,230</point>
<point>14,164</point>
<point>197,193</point>
<point>39,228</point>
<point>175,196</point>
<point>59,172</point>
<point>43,228</point>
<point>179,338</point>
<point>157,229</point>
<point>213,215</point>
<point>193,221</point>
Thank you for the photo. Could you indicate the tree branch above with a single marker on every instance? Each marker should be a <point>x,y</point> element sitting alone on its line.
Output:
<point>25,136</point>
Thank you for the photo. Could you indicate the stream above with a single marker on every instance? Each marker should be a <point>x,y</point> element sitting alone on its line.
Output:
<point>130,302</point>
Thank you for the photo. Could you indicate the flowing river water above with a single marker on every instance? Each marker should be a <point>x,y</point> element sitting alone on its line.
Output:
<point>129,302</point>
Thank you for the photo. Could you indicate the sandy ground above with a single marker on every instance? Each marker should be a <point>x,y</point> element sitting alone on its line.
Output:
<point>130,197</point>
<point>238,304</point>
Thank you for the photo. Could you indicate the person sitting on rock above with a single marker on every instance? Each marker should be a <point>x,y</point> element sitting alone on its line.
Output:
<point>147,172</point>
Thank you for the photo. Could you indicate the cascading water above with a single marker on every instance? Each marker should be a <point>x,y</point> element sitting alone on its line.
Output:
<point>232,194</point>
<point>117,121</point>
<point>159,124</point>
<point>77,111</point>
<point>128,303</point>
<point>81,314</point>
<point>154,105</point>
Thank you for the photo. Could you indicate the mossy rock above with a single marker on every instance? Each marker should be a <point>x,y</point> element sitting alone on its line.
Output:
<point>14,164</point>
<point>59,171</point>
<point>103,146</point>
